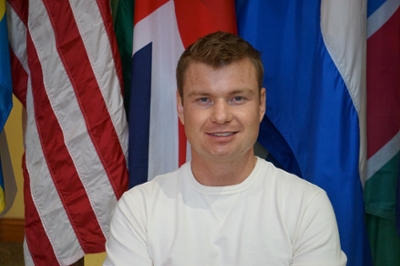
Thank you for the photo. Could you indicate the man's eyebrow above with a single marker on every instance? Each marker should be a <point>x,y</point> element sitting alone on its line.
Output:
<point>239,91</point>
<point>198,93</point>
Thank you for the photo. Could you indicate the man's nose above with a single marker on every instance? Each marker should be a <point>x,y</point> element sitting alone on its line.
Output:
<point>221,112</point>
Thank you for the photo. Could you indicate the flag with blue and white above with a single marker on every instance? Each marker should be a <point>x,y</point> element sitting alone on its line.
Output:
<point>315,124</point>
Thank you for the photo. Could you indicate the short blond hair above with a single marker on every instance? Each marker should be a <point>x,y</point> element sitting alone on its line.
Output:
<point>218,49</point>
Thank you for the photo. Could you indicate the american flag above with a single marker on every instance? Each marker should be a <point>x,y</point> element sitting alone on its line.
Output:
<point>67,74</point>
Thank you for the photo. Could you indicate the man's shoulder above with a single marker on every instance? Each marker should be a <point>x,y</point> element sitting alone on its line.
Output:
<point>161,183</point>
<point>287,182</point>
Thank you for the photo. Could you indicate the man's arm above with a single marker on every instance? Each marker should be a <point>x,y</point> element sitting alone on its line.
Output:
<point>318,240</point>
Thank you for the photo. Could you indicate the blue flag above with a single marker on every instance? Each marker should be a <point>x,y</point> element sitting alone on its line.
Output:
<point>5,71</point>
<point>5,87</point>
<point>313,53</point>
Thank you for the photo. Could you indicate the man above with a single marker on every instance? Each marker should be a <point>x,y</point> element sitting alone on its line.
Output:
<point>225,206</point>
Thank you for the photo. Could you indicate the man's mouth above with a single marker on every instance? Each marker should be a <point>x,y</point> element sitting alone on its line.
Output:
<point>223,134</point>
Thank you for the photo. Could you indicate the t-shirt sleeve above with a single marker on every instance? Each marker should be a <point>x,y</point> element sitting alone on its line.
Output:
<point>127,242</point>
<point>317,242</point>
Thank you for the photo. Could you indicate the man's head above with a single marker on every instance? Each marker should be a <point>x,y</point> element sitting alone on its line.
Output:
<point>221,103</point>
<point>218,50</point>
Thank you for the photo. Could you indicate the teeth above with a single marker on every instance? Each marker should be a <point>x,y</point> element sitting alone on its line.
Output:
<point>222,134</point>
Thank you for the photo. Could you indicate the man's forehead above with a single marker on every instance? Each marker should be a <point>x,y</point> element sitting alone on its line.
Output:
<point>195,66</point>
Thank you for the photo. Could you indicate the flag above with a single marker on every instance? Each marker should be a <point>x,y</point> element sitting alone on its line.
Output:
<point>122,11</point>
<point>162,30</point>
<point>383,128</point>
<point>67,74</point>
<point>314,56</point>
<point>5,92</point>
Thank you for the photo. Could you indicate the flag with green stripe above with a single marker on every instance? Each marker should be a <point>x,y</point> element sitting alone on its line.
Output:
<point>383,130</point>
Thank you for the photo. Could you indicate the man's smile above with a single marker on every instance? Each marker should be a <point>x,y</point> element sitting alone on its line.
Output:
<point>222,134</point>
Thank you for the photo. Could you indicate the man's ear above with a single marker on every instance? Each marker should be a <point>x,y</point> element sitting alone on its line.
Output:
<point>263,103</point>
<point>179,107</point>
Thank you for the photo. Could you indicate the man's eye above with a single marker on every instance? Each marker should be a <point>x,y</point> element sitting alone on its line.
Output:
<point>237,99</point>
<point>203,99</point>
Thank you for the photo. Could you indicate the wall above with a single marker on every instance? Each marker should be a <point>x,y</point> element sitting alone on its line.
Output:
<point>13,129</point>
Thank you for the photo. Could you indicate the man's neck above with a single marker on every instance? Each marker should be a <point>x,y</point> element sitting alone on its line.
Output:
<point>222,173</point>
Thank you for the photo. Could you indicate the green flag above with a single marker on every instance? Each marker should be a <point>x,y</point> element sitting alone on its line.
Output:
<point>123,27</point>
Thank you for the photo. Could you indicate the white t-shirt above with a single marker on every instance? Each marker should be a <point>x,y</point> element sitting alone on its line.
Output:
<point>271,218</point>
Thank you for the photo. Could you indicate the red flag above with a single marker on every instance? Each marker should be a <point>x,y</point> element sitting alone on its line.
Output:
<point>162,30</point>
<point>383,131</point>
<point>67,74</point>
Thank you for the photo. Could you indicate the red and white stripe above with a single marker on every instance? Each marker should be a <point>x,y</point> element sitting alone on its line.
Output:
<point>76,134</point>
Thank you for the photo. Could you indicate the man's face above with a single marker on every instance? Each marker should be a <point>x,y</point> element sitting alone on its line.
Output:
<point>222,110</point>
